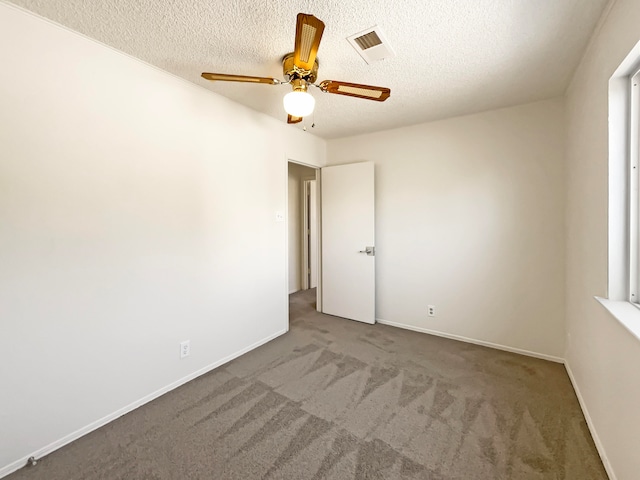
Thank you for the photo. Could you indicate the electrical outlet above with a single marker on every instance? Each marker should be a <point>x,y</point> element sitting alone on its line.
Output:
<point>431,310</point>
<point>185,348</point>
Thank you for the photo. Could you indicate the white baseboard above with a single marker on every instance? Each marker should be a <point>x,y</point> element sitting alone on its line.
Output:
<point>18,464</point>
<point>483,343</point>
<point>594,434</point>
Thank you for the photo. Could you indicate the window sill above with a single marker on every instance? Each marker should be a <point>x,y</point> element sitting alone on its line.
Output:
<point>626,313</point>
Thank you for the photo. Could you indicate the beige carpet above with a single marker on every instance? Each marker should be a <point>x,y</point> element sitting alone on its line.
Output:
<point>336,399</point>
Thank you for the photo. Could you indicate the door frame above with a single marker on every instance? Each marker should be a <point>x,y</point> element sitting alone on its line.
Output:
<point>309,233</point>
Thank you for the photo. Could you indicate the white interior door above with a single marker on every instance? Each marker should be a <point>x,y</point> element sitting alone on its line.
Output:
<point>348,253</point>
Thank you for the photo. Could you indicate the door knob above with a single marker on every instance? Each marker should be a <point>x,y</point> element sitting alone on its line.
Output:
<point>370,251</point>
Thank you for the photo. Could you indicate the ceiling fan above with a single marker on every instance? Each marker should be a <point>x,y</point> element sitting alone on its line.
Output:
<point>300,69</point>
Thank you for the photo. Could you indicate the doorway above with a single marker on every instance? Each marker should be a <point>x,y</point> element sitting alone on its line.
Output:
<point>303,217</point>
<point>340,260</point>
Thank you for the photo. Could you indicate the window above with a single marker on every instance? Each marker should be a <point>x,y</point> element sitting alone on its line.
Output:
<point>624,182</point>
<point>634,181</point>
<point>623,289</point>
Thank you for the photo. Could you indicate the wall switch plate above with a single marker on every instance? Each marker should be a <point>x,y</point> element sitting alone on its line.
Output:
<point>185,348</point>
<point>431,310</point>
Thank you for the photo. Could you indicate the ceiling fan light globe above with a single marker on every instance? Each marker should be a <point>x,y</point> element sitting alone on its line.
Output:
<point>299,104</point>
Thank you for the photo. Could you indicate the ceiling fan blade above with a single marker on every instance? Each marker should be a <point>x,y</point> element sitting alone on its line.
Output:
<point>379,94</point>
<point>239,78</point>
<point>308,35</point>
<point>292,119</point>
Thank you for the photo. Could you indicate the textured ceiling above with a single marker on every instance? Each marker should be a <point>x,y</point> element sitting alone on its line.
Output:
<point>453,56</point>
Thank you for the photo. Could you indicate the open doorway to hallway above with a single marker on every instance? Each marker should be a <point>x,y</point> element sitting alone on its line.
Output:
<point>302,227</point>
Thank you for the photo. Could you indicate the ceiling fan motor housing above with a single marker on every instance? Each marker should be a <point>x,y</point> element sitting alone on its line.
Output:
<point>291,72</point>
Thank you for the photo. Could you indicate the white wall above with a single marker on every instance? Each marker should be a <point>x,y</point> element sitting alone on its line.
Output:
<point>602,355</point>
<point>130,207</point>
<point>297,174</point>
<point>469,218</point>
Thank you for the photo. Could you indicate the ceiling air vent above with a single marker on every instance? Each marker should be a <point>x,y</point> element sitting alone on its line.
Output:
<point>372,45</point>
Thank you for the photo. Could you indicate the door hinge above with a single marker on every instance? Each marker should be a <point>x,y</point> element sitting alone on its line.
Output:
<point>371,251</point>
